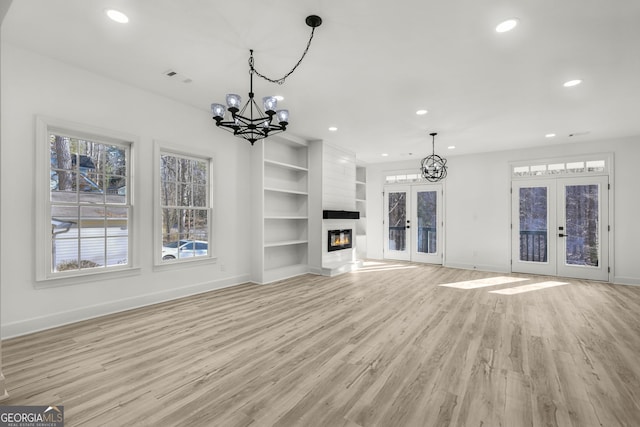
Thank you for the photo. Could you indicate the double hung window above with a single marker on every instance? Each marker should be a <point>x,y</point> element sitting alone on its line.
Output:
<point>185,205</point>
<point>87,215</point>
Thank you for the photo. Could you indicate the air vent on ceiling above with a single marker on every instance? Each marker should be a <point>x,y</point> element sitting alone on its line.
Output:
<point>174,74</point>
<point>579,133</point>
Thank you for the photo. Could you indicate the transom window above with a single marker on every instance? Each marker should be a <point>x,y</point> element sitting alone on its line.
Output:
<point>185,200</point>
<point>403,178</point>
<point>578,166</point>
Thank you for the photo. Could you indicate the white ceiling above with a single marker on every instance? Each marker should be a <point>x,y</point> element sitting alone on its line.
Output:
<point>372,64</point>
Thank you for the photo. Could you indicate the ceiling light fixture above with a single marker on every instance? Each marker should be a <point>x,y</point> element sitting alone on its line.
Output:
<point>550,135</point>
<point>433,167</point>
<point>333,129</point>
<point>507,25</point>
<point>117,16</point>
<point>250,122</point>
<point>572,83</point>
<point>421,112</point>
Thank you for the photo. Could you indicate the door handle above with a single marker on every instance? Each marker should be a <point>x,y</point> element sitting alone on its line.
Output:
<point>562,235</point>
<point>408,226</point>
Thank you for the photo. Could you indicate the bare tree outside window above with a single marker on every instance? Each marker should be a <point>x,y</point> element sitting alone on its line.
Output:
<point>184,194</point>
<point>397,221</point>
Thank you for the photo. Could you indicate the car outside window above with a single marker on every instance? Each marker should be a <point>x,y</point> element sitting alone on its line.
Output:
<point>185,207</point>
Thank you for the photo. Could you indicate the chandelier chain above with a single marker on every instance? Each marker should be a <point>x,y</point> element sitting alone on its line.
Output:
<point>283,78</point>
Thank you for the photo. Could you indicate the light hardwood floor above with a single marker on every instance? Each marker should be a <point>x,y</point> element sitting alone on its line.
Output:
<point>386,346</point>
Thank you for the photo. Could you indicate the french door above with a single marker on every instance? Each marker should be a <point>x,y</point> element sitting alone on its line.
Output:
<point>413,223</point>
<point>560,227</point>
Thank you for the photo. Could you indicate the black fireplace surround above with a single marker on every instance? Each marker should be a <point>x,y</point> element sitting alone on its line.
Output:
<point>339,239</point>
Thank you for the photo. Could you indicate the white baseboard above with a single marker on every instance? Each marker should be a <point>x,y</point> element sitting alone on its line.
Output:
<point>23,327</point>
<point>626,281</point>
<point>478,267</point>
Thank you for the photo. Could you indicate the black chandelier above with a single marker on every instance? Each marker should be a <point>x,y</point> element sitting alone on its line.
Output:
<point>250,122</point>
<point>433,167</point>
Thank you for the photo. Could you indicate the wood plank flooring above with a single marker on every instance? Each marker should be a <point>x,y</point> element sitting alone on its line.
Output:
<point>385,346</point>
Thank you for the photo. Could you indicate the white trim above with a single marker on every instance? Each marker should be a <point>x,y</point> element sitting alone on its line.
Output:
<point>443,211</point>
<point>607,157</point>
<point>627,281</point>
<point>35,324</point>
<point>609,172</point>
<point>44,126</point>
<point>160,147</point>
<point>478,267</point>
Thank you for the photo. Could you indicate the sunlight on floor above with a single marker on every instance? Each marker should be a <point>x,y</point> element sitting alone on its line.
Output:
<point>528,288</point>
<point>483,283</point>
<point>373,266</point>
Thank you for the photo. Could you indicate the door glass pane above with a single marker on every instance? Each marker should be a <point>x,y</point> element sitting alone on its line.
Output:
<point>427,220</point>
<point>533,224</point>
<point>397,221</point>
<point>581,211</point>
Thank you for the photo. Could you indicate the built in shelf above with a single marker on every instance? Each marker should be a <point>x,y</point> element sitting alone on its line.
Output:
<point>283,237</point>
<point>284,190</point>
<point>285,165</point>
<point>285,243</point>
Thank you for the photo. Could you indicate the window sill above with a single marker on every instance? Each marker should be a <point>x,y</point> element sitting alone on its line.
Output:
<point>184,263</point>
<point>83,278</point>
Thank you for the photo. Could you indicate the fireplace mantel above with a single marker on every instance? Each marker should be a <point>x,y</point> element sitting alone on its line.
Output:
<point>331,214</point>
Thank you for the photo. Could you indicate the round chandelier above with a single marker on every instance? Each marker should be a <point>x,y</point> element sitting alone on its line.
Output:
<point>433,167</point>
<point>251,122</point>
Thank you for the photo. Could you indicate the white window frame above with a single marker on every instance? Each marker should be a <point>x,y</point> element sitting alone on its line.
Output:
<point>608,170</point>
<point>45,277</point>
<point>561,167</point>
<point>161,148</point>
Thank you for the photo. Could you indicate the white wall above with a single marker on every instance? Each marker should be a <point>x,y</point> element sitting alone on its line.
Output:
<point>338,179</point>
<point>4,7</point>
<point>477,205</point>
<point>36,85</point>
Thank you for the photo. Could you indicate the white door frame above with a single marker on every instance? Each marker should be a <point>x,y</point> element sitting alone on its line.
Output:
<point>601,271</point>
<point>539,266</point>
<point>410,252</point>
<point>555,238</point>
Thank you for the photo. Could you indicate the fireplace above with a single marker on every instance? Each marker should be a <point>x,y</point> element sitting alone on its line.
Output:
<point>339,239</point>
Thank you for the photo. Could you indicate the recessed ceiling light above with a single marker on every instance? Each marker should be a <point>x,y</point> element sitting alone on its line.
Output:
<point>571,83</point>
<point>550,135</point>
<point>507,25</point>
<point>451,147</point>
<point>333,128</point>
<point>384,154</point>
<point>279,98</point>
<point>117,16</point>
<point>421,112</point>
